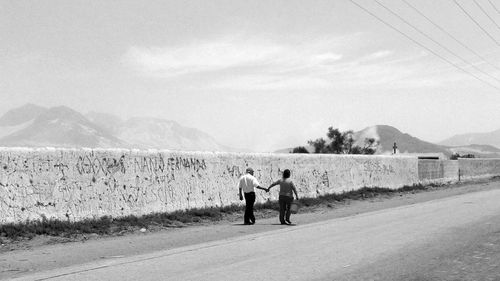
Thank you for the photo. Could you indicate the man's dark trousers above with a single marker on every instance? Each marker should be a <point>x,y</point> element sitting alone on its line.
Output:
<point>249,218</point>
<point>285,204</point>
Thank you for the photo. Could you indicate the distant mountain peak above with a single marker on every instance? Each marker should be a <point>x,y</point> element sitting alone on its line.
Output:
<point>59,126</point>
<point>21,114</point>
<point>488,138</point>
<point>386,127</point>
<point>406,143</point>
<point>149,132</point>
<point>62,126</point>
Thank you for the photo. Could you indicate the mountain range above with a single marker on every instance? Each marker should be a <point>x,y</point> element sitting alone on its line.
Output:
<point>386,136</point>
<point>35,126</point>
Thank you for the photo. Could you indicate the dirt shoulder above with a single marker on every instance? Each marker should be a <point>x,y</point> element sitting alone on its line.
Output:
<point>43,253</point>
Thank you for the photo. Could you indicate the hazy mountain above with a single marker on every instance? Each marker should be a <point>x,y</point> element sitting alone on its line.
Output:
<point>59,127</point>
<point>107,121</point>
<point>145,132</point>
<point>167,134</point>
<point>491,138</point>
<point>36,126</point>
<point>478,147</point>
<point>21,115</point>
<point>479,150</point>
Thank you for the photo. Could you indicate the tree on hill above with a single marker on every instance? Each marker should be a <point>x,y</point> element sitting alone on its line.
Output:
<point>342,143</point>
<point>370,147</point>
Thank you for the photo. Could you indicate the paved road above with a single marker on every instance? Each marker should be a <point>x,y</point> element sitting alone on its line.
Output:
<point>453,238</point>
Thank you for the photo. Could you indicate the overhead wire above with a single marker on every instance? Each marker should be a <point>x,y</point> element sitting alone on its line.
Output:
<point>487,15</point>
<point>450,35</point>
<point>494,7</point>
<point>423,46</point>
<point>477,24</point>
<point>436,42</point>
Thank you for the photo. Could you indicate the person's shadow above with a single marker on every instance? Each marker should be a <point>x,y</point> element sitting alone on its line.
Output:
<point>242,224</point>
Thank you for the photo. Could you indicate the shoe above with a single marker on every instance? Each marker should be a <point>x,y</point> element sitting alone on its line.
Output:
<point>247,223</point>
<point>289,222</point>
<point>284,223</point>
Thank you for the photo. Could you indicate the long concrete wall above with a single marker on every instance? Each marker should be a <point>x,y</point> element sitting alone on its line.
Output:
<point>477,168</point>
<point>77,184</point>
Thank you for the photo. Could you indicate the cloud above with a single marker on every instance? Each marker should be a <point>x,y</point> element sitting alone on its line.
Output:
<point>252,63</point>
<point>225,53</point>
<point>359,73</point>
<point>202,57</point>
<point>378,55</point>
<point>326,58</point>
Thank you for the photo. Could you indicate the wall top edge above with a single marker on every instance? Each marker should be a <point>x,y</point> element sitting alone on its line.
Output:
<point>477,159</point>
<point>207,153</point>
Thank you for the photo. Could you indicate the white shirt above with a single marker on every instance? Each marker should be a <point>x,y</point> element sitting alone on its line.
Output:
<point>247,183</point>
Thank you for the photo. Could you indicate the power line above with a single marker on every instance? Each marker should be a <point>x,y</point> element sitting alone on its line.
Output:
<point>436,42</point>
<point>423,46</point>
<point>449,34</point>
<point>484,12</point>
<point>478,25</point>
<point>494,7</point>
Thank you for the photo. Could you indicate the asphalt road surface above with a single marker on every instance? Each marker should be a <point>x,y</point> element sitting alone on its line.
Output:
<point>455,238</point>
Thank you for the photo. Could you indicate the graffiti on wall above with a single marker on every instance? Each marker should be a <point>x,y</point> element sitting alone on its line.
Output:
<point>72,184</point>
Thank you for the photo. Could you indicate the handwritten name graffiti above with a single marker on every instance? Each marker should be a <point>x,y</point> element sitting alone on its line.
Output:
<point>153,165</point>
<point>237,171</point>
<point>375,166</point>
<point>187,163</point>
<point>157,165</point>
<point>32,164</point>
<point>95,165</point>
<point>102,165</point>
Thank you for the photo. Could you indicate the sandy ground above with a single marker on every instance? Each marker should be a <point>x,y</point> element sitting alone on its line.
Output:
<point>39,254</point>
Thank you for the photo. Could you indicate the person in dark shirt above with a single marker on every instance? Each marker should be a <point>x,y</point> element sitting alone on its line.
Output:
<point>287,188</point>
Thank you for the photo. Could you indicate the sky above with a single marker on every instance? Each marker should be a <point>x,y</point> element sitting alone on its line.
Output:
<point>260,75</point>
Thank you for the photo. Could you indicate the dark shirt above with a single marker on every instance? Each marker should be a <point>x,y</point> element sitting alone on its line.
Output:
<point>286,187</point>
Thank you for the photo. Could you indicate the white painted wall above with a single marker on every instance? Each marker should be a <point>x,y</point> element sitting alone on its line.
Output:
<point>79,184</point>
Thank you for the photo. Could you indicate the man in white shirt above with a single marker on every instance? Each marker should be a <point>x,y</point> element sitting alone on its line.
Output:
<point>247,185</point>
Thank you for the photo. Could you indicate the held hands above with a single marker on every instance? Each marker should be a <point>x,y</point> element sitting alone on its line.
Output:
<point>266,189</point>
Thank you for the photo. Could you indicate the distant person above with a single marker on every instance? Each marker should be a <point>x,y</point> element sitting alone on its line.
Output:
<point>247,185</point>
<point>285,196</point>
